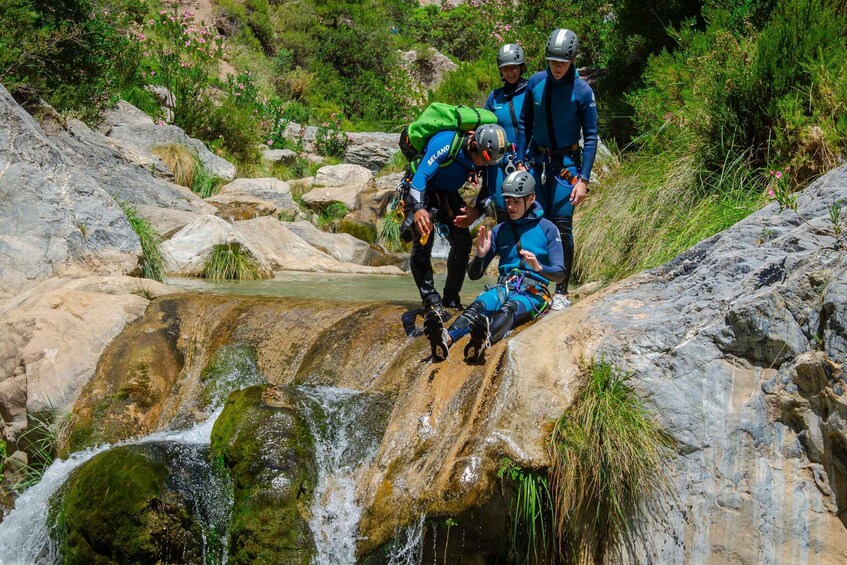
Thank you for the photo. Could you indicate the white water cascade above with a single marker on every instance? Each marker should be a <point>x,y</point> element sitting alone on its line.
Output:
<point>346,430</point>
<point>25,533</point>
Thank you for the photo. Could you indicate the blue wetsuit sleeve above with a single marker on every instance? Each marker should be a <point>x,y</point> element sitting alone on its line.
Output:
<point>477,266</point>
<point>588,118</point>
<point>523,131</point>
<point>489,102</point>
<point>555,271</point>
<point>436,153</point>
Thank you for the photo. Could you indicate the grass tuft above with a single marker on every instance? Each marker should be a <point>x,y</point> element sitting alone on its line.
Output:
<point>660,206</point>
<point>330,216</point>
<point>180,160</point>
<point>152,260</point>
<point>532,514</point>
<point>609,466</point>
<point>39,441</point>
<point>388,234</point>
<point>230,261</point>
<point>204,183</point>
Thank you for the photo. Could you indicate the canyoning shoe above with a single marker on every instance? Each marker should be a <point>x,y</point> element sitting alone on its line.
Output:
<point>435,333</point>
<point>560,302</point>
<point>480,339</point>
<point>452,303</point>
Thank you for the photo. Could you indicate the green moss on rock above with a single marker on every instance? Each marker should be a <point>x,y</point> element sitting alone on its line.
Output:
<point>231,367</point>
<point>116,509</point>
<point>269,450</point>
<point>360,229</point>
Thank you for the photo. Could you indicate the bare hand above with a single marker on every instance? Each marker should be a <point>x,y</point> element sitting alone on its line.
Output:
<point>483,242</point>
<point>422,222</point>
<point>467,217</point>
<point>520,167</point>
<point>580,189</point>
<point>531,260</point>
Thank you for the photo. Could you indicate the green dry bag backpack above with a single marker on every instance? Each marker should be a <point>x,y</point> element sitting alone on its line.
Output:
<point>441,117</point>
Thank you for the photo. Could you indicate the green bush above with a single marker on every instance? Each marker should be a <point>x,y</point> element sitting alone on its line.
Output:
<point>181,55</point>
<point>74,54</point>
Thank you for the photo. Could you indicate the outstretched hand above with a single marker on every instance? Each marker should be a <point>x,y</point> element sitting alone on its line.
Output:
<point>483,242</point>
<point>467,217</point>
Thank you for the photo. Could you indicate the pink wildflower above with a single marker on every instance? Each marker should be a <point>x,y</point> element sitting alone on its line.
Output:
<point>778,174</point>
<point>771,193</point>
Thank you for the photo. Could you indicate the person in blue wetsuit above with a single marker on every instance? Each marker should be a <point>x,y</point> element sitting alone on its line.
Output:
<point>559,108</point>
<point>530,251</point>
<point>433,199</point>
<point>506,102</point>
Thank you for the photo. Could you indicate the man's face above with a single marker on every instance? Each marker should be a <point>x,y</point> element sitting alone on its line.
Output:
<point>518,205</point>
<point>558,68</point>
<point>511,73</point>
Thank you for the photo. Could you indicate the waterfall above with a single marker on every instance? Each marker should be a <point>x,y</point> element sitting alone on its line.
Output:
<point>25,533</point>
<point>347,427</point>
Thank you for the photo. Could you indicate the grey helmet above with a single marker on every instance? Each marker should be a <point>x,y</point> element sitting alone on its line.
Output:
<point>518,184</point>
<point>510,54</point>
<point>562,46</point>
<point>489,141</point>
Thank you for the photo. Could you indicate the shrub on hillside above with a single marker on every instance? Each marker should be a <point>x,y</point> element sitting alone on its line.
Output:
<point>74,54</point>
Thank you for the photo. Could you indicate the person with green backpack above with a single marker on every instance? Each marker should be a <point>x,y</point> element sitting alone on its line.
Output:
<point>432,200</point>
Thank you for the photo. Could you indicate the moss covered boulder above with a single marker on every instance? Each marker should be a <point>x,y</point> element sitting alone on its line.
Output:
<point>358,228</point>
<point>267,446</point>
<point>146,503</point>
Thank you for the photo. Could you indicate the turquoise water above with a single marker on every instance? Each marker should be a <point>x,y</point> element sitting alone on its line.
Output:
<point>331,286</point>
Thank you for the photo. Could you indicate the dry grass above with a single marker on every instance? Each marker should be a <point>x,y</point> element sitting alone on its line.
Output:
<point>180,160</point>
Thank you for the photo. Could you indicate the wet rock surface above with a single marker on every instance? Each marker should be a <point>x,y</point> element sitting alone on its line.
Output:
<point>145,503</point>
<point>261,437</point>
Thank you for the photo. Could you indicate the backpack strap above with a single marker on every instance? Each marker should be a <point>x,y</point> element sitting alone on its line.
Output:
<point>455,147</point>
<point>517,237</point>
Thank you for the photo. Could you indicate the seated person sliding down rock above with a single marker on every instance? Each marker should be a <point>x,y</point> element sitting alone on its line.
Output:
<point>530,251</point>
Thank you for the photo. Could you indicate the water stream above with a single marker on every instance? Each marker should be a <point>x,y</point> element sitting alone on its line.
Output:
<point>25,532</point>
<point>347,427</point>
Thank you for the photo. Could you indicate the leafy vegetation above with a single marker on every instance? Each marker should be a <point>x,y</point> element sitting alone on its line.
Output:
<point>152,260</point>
<point>703,98</point>
<point>609,466</point>
<point>230,261</point>
<point>330,215</point>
